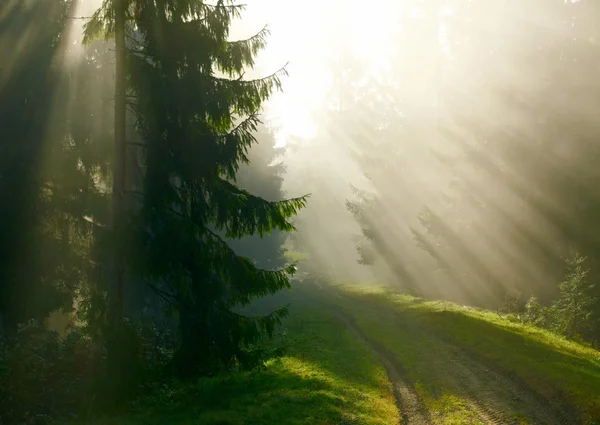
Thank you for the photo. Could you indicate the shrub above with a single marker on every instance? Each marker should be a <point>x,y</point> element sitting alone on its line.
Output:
<point>572,312</point>
<point>43,377</point>
<point>535,313</point>
<point>513,306</point>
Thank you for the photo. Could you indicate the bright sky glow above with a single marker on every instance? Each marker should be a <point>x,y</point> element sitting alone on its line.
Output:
<point>307,34</point>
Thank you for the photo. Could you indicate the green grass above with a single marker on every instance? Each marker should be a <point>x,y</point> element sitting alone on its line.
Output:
<point>419,357</point>
<point>552,365</point>
<point>325,377</point>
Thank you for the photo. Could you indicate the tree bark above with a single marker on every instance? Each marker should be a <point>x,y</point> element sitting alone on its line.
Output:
<point>116,276</point>
<point>120,370</point>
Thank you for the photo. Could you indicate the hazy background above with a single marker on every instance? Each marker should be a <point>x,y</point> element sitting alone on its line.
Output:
<point>470,130</point>
<point>450,147</point>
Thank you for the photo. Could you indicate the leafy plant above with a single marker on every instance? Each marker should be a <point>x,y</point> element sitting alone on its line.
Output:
<point>43,377</point>
<point>572,313</point>
<point>535,313</point>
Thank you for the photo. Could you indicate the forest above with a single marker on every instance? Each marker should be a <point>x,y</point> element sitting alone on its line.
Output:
<point>324,212</point>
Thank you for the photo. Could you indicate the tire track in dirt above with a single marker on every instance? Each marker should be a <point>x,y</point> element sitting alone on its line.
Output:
<point>409,403</point>
<point>412,410</point>
<point>492,392</point>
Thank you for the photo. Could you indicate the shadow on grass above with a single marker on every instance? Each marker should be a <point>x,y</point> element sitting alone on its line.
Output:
<point>271,397</point>
<point>553,370</point>
<point>325,377</point>
<point>547,374</point>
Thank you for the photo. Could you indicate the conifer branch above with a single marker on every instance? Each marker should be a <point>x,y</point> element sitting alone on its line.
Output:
<point>260,35</point>
<point>164,295</point>
<point>281,72</point>
<point>216,237</point>
<point>273,314</point>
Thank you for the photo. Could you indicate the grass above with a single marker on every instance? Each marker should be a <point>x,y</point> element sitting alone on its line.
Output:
<point>552,365</point>
<point>325,377</point>
<point>419,357</point>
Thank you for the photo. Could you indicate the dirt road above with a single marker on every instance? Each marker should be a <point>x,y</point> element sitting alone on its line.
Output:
<point>494,396</point>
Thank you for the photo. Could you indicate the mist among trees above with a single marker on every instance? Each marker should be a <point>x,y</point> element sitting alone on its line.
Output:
<point>159,177</point>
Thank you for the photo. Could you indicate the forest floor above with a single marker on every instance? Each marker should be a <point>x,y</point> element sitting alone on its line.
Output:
<point>370,356</point>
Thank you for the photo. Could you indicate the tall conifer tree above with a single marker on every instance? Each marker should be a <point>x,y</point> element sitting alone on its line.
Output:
<point>196,114</point>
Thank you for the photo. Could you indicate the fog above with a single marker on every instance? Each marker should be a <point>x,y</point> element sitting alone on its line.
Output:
<point>448,146</point>
<point>450,150</point>
<point>454,130</point>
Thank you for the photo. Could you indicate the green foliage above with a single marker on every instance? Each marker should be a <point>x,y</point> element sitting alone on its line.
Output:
<point>34,276</point>
<point>196,117</point>
<point>513,306</point>
<point>101,25</point>
<point>53,161</point>
<point>535,313</point>
<point>324,376</point>
<point>156,344</point>
<point>263,177</point>
<point>573,311</point>
<point>43,377</point>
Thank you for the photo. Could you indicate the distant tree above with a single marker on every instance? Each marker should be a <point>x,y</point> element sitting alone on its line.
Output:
<point>27,90</point>
<point>573,311</point>
<point>392,125</point>
<point>54,126</point>
<point>51,157</point>
<point>520,187</point>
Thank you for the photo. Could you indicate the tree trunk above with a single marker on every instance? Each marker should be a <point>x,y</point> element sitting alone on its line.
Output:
<point>191,353</point>
<point>119,377</point>
<point>115,307</point>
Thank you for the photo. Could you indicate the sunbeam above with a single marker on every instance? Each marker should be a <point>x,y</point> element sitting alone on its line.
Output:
<point>284,212</point>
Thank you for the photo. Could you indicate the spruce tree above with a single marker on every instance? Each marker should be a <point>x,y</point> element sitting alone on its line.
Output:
<point>27,85</point>
<point>196,113</point>
<point>263,177</point>
<point>51,154</point>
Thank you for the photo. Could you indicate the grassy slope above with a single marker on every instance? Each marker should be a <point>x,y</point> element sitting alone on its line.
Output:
<point>552,365</point>
<point>329,377</point>
<point>326,377</point>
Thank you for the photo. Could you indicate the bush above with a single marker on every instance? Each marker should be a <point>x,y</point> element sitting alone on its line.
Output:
<point>513,306</point>
<point>535,313</point>
<point>572,313</point>
<point>43,377</point>
<point>157,340</point>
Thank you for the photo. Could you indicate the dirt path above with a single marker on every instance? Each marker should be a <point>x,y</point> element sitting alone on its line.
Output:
<point>412,410</point>
<point>493,394</point>
<point>409,403</point>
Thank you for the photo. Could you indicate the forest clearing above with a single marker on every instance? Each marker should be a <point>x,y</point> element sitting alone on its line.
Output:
<point>352,355</point>
<point>299,212</point>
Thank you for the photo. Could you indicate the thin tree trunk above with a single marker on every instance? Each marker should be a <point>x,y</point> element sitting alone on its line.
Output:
<point>119,164</point>
<point>119,372</point>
